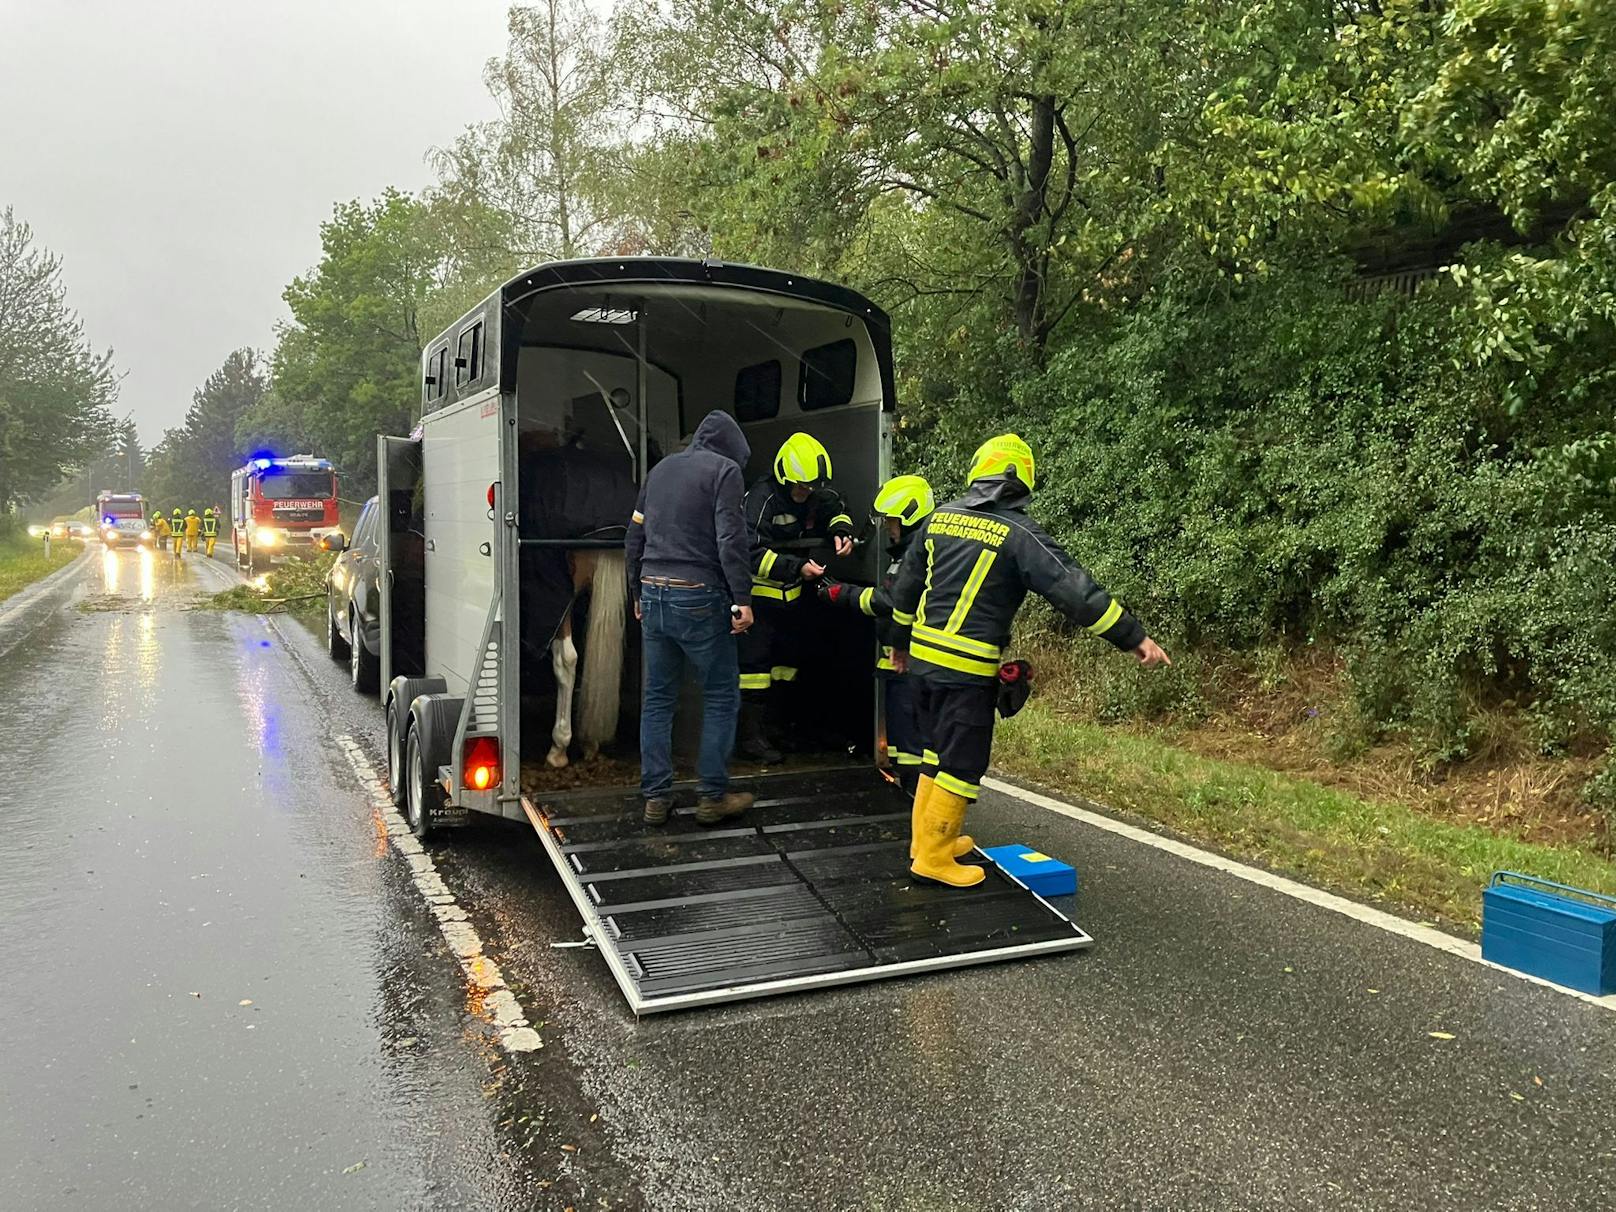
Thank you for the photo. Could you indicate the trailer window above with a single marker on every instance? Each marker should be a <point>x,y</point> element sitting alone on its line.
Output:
<point>757,392</point>
<point>289,485</point>
<point>827,375</point>
<point>469,356</point>
<point>437,374</point>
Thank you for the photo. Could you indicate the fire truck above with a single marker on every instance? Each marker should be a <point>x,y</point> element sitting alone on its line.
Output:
<point>280,507</point>
<point>121,519</point>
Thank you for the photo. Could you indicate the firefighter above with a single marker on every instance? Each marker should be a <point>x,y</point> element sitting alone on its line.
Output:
<point>210,530</point>
<point>903,503</point>
<point>193,528</point>
<point>159,526</point>
<point>961,583</point>
<point>176,530</point>
<point>796,503</point>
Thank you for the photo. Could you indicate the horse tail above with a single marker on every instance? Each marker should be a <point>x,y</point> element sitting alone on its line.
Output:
<point>601,682</point>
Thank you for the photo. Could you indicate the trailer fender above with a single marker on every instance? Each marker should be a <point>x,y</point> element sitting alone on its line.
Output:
<point>401,695</point>
<point>428,743</point>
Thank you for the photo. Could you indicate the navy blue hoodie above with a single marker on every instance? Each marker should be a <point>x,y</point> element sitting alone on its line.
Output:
<point>688,523</point>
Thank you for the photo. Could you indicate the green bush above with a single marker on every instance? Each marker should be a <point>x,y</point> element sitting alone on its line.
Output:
<point>1283,464</point>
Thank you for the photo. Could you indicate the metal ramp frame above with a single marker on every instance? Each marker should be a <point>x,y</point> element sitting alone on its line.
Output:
<point>807,890</point>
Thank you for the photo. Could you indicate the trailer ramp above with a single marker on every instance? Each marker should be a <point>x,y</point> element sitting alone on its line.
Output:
<point>808,889</point>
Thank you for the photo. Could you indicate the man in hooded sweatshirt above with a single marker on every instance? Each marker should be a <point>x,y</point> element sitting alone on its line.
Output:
<point>689,569</point>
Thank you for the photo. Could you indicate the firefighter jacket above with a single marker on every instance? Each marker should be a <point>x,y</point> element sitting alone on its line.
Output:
<point>966,574</point>
<point>193,526</point>
<point>210,526</point>
<point>160,526</point>
<point>773,518</point>
<point>876,601</point>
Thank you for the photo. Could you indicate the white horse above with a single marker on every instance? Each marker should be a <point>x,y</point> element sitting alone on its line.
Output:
<point>601,573</point>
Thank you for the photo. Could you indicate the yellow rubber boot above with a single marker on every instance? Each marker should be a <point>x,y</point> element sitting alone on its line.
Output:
<point>940,821</point>
<point>962,845</point>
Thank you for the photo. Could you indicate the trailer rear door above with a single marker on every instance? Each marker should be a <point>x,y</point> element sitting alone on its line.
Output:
<point>808,889</point>
<point>402,584</point>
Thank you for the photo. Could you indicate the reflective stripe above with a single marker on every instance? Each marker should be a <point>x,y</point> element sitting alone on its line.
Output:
<point>783,673</point>
<point>930,758</point>
<point>756,681</point>
<point>766,564</point>
<point>639,517</point>
<point>948,660</point>
<point>903,618</point>
<point>839,518</point>
<point>867,601</point>
<point>775,593</point>
<point>973,585</point>
<point>963,643</point>
<point>904,759</point>
<point>886,664</point>
<point>1112,613</point>
<point>956,786</point>
<point>931,559</point>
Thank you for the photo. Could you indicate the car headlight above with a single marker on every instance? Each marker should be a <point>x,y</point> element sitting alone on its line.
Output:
<point>36,531</point>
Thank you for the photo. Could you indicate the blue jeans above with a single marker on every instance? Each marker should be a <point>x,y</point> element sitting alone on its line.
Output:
<point>679,625</point>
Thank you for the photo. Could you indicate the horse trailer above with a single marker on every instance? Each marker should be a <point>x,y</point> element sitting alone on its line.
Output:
<point>510,663</point>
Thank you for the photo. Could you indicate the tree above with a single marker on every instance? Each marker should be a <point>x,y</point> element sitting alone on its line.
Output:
<point>346,367</point>
<point>191,466</point>
<point>1010,141</point>
<point>540,170</point>
<point>54,389</point>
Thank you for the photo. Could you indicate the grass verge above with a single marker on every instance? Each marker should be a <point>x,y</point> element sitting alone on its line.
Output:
<point>23,561</point>
<point>1366,848</point>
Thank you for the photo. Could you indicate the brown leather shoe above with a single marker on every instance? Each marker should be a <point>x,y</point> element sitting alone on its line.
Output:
<point>715,811</point>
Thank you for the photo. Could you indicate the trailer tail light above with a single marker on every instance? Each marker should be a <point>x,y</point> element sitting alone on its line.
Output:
<point>491,494</point>
<point>481,763</point>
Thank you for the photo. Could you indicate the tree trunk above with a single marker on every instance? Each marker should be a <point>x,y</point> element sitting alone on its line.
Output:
<point>1029,250</point>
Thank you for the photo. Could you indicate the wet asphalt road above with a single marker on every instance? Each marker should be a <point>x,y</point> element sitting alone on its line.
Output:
<point>1224,1046</point>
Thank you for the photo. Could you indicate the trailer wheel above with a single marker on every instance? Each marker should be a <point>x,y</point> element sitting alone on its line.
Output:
<point>364,666</point>
<point>401,695</point>
<point>431,731</point>
<point>335,646</point>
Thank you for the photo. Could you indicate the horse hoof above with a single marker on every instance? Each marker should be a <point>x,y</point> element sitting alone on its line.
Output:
<point>556,758</point>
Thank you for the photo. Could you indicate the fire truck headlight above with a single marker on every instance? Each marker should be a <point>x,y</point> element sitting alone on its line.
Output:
<point>145,536</point>
<point>266,535</point>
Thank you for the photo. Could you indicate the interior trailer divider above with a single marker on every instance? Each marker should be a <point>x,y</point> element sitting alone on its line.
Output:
<point>542,411</point>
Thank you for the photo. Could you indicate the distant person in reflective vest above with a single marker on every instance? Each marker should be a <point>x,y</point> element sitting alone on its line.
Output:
<point>210,530</point>
<point>958,590</point>
<point>159,526</point>
<point>193,528</point>
<point>176,528</point>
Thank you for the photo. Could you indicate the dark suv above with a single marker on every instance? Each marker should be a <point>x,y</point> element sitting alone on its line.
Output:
<point>353,627</point>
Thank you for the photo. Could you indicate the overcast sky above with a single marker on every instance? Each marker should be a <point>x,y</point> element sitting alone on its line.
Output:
<point>180,154</point>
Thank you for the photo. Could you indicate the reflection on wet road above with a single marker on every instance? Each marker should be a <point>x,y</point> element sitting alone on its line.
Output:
<point>216,991</point>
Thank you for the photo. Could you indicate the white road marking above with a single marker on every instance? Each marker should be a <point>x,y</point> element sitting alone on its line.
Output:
<point>1369,916</point>
<point>496,1003</point>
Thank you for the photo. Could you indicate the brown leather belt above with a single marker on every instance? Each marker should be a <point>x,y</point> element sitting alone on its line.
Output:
<point>671,583</point>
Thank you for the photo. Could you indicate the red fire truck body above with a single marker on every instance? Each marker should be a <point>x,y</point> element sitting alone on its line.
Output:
<point>281,507</point>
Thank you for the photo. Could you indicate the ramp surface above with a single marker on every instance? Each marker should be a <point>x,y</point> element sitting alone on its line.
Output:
<point>809,888</point>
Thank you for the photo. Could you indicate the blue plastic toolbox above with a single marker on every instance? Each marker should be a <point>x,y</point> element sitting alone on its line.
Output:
<point>1565,935</point>
<point>1044,875</point>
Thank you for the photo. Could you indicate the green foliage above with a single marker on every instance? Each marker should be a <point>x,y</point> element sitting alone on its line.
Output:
<point>346,366</point>
<point>54,388</point>
<point>191,466</point>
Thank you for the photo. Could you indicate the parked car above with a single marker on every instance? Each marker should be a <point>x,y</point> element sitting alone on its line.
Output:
<point>352,604</point>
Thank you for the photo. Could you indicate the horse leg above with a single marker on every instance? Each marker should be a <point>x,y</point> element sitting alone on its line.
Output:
<point>564,661</point>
